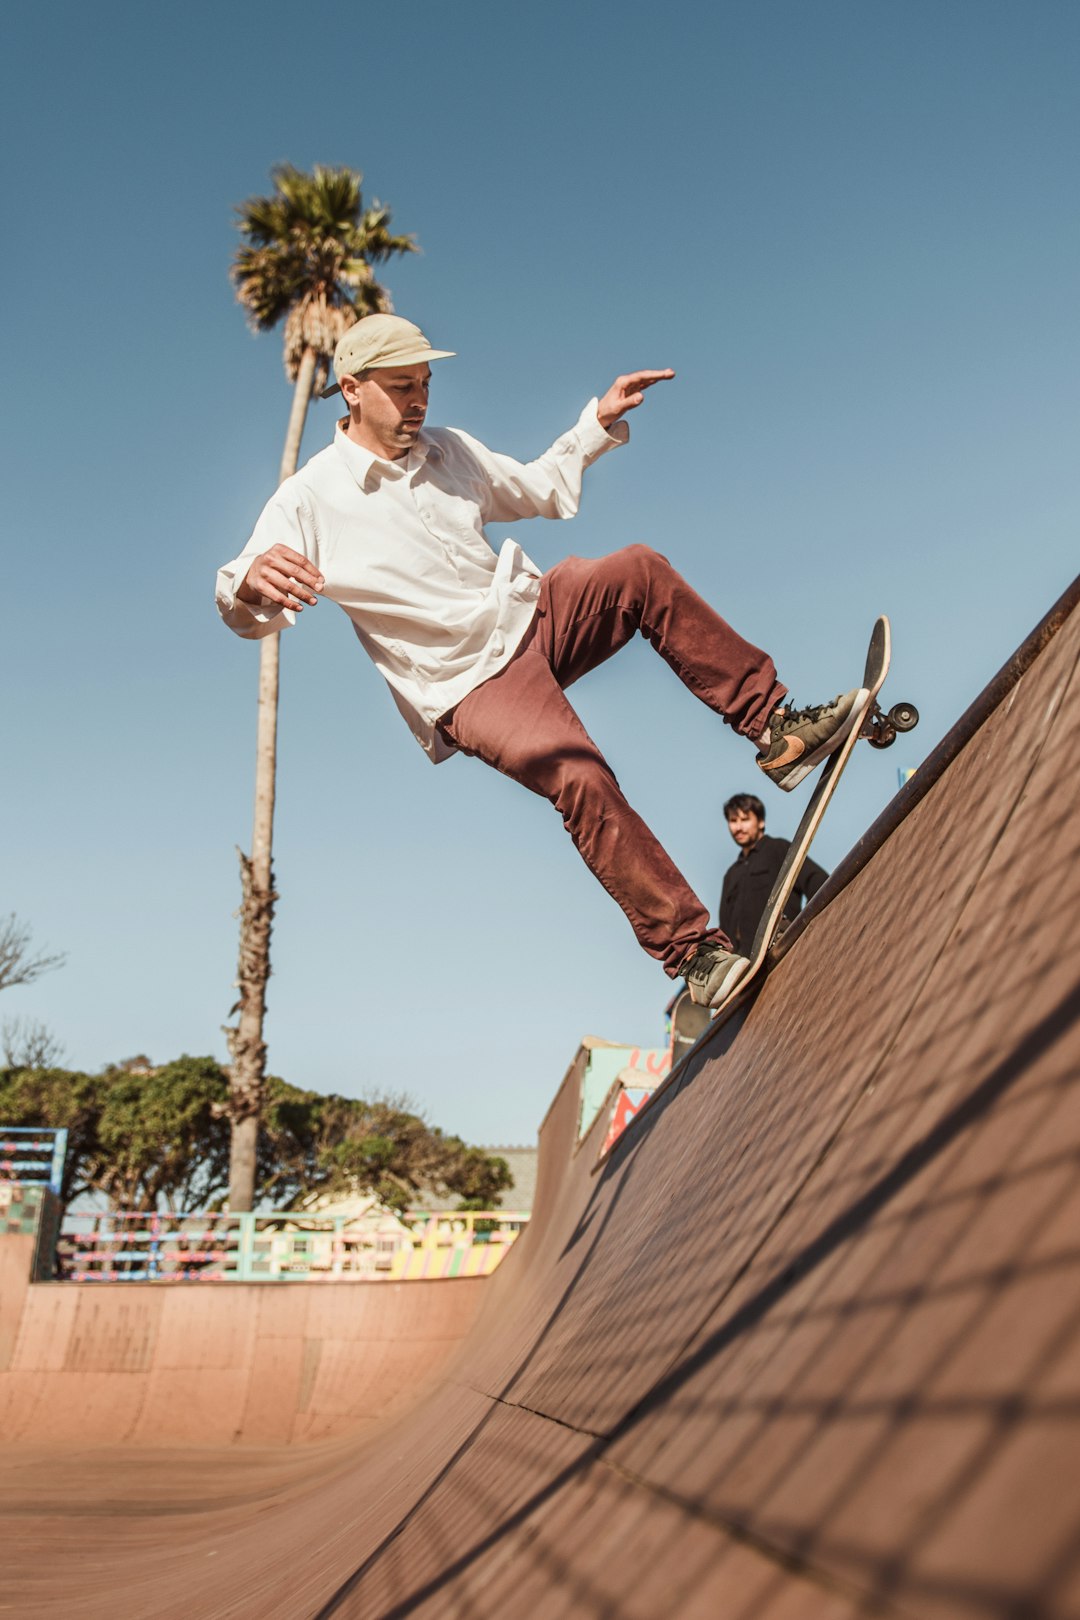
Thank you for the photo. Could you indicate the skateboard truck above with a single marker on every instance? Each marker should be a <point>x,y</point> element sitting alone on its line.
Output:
<point>880,729</point>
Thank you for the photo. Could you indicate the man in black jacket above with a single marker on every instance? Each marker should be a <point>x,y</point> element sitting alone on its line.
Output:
<point>748,883</point>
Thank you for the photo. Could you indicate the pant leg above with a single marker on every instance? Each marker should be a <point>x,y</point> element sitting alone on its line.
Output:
<point>521,722</point>
<point>589,609</point>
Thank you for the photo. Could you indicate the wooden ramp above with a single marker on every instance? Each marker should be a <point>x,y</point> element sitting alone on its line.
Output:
<point>807,1344</point>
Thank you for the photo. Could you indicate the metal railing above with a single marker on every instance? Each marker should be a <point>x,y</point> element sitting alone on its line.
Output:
<point>145,1247</point>
<point>33,1155</point>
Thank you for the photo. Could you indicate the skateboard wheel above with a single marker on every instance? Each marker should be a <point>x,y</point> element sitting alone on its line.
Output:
<point>884,737</point>
<point>904,716</point>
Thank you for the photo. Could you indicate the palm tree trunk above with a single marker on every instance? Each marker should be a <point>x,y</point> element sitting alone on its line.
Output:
<point>246,1044</point>
<point>305,378</point>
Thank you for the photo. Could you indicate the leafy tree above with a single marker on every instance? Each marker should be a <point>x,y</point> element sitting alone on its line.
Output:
<point>306,259</point>
<point>159,1139</point>
<point>341,1145</point>
<point>164,1136</point>
<point>58,1098</point>
<point>144,1141</point>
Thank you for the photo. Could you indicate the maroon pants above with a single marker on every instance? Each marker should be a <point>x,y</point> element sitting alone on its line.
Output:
<point>520,722</point>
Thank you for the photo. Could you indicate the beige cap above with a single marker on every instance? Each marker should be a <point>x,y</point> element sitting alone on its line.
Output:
<point>379,341</point>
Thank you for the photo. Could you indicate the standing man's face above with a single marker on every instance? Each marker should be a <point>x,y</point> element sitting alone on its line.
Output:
<point>387,408</point>
<point>746,828</point>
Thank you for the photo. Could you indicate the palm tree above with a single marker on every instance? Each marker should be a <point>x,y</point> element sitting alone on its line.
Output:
<point>305,259</point>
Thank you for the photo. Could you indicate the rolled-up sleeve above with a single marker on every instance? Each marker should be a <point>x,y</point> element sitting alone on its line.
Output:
<point>550,486</point>
<point>284,520</point>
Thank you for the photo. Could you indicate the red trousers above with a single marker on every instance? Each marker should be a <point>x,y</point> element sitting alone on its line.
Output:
<point>520,722</point>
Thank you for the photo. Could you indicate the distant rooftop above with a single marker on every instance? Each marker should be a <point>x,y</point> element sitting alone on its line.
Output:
<point>519,1196</point>
<point>522,1162</point>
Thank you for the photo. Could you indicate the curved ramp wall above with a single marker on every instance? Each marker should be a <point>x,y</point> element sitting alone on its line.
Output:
<point>250,1364</point>
<point>807,1344</point>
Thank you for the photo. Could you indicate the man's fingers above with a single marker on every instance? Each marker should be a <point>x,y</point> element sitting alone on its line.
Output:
<point>293,592</point>
<point>279,595</point>
<point>293,565</point>
<point>281,587</point>
<point>646,379</point>
<point>626,394</point>
<point>287,599</point>
<point>282,554</point>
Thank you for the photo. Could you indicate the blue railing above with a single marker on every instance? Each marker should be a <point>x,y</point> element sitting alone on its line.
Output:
<point>33,1155</point>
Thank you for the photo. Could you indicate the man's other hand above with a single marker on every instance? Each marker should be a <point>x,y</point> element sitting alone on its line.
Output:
<point>283,577</point>
<point>626,394</point>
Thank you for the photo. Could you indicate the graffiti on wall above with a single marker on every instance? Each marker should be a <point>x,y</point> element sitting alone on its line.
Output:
<point>633,1068</point>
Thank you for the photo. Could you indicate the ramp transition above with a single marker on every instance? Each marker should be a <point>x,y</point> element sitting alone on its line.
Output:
<point>806,1344</point>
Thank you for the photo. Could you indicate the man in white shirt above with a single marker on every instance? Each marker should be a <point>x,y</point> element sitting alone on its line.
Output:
<point>478,647</point>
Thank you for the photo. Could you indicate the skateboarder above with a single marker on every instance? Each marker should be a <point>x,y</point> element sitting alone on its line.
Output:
<point>748,881</point>
<point>478,646</point>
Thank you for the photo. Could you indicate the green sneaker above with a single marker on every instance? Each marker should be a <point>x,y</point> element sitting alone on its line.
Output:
<point>711,972</point>
<point>802,738</point>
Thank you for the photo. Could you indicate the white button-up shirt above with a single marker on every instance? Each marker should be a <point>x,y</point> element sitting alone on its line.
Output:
<point>402,548</point>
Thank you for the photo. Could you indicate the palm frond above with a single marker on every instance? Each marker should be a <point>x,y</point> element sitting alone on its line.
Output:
<point>306,257</point>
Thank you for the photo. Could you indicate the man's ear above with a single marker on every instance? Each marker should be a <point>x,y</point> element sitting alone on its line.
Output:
<point>350,392</point>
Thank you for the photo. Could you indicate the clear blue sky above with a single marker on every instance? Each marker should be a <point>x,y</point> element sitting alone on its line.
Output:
<point>850,226</point>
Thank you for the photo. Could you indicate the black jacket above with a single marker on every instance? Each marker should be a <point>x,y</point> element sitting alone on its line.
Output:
<point>748,883</point>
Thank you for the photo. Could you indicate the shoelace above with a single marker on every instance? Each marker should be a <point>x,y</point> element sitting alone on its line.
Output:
<point>704,957</point>
<point>789,715</point>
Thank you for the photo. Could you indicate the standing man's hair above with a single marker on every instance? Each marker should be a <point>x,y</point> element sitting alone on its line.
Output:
<point>744,801</point>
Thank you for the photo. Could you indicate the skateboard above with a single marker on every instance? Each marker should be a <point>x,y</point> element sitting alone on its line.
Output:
<point>688,1022</point>
<point>877,727</point>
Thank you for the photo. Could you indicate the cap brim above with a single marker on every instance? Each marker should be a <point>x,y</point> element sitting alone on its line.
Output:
<point>411,357</point>
<point>415,359</point>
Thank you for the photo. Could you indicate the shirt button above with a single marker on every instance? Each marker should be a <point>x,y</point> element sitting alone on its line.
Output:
<point>498,645</point>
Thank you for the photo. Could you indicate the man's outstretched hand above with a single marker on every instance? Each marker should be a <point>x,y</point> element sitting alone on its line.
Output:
<point>626,394</point>
<point>283,577</point>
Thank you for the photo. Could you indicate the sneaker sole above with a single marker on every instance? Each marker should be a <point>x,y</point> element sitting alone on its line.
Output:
<point>810,762</point>
<point>730,980</point>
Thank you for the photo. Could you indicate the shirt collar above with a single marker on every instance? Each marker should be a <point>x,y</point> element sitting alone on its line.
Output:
<point>370,470</point>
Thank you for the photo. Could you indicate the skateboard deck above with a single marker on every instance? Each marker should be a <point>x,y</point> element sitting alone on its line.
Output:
<point>877,728</point>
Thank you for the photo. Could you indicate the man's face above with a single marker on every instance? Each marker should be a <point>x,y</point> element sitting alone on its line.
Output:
<point>745,828</point>
<point>387,408</point>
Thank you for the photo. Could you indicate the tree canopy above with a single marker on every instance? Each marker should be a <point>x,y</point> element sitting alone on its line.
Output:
<point>158,1138</point>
